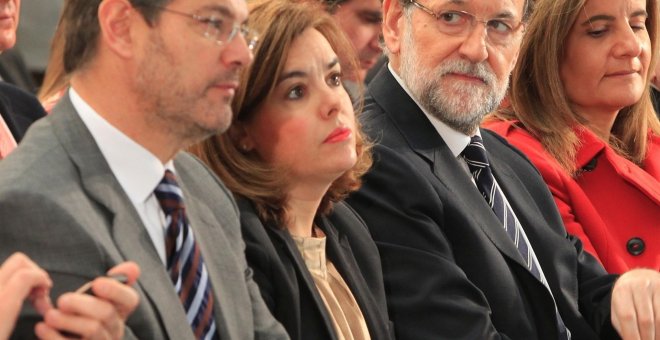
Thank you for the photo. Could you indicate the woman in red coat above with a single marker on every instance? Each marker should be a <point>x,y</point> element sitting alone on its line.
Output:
<point>580,110</point>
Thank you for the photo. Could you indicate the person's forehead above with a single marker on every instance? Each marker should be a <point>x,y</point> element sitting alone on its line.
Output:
<point>513,6</point>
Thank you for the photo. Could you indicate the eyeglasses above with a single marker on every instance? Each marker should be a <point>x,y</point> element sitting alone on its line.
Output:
<point>500,31</point>
<point>217,28</point>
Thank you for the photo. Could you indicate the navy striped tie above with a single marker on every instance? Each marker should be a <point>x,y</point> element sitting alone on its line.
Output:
<point>185,263</point>
<point>477,160</point>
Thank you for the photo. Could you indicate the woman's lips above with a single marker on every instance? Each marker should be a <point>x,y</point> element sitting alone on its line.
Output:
<point>337,135</point>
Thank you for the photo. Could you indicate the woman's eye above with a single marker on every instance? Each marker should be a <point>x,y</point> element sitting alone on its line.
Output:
<point>335,79</point>
<point>295,93</point>
<point>597,33</point>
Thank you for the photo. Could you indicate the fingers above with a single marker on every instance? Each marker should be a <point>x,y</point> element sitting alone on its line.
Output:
<point>20,278</point>
<point>45,332</point>
<point>100,315</point>
<point>85,315</point>
<point>623,315</point>
<point>636,305</point>
<point>124,298</point>
<point>643,300</point>
<point>130,269</point>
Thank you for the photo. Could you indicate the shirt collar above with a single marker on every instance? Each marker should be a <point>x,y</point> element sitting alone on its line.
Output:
<point>137,170</point>
<point>456,141</point>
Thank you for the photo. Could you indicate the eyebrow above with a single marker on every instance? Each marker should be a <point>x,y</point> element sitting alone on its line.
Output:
<point>302,74</point>
<point>605,17</point>
<point>220,9</point>
<point>505,14</point>
<point>373,14</point>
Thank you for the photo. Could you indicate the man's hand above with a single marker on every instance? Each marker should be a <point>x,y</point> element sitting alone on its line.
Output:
<point>20,278</point>
<point>100,316</point>
<point>636,305</point>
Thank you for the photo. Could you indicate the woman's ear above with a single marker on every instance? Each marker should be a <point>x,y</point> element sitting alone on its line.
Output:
<point>241,136</point>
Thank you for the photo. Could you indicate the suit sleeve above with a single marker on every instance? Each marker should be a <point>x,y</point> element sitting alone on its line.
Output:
<point>57,243</point>
<point>265,325</point>
<point>428,295</point>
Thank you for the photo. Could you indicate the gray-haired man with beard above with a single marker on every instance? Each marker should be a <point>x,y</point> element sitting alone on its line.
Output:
<point>471,242</point>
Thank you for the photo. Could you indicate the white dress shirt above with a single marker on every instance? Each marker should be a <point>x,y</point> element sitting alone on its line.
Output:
<point>137,170</point>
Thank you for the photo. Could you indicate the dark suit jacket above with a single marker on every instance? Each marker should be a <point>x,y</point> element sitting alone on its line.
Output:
<point>19,109</point>
<point>61,204</point>
<point>14,71</point>
<point>451,271</point>
<point>287,286</point>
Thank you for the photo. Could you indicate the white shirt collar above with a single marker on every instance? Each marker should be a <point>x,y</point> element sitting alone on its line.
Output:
<point>137,170</point>
<point>456,141</point>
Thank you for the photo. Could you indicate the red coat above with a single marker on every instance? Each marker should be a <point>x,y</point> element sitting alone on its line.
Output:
<point>613,206</point>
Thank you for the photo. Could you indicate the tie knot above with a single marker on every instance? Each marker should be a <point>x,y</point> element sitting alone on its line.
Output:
<point>169,193</point>
<point>475,154</point>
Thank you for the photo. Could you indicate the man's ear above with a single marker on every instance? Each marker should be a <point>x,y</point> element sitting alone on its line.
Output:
<point>393,22</point>
<point>116,20</point>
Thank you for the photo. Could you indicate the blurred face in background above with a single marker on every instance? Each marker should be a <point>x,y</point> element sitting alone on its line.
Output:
<point>306,126</point>
<point>9,11</point>
<point>361,20</point>
<point>608,52</point>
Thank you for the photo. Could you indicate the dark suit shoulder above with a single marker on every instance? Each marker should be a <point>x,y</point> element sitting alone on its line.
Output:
<point>19,109</point>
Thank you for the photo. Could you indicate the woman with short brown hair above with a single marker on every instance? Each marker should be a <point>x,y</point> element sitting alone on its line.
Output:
<point>293,152</point>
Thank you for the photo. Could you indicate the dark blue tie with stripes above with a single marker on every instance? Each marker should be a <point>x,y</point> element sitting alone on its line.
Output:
<point>185,263</point>
<point>477,160</point>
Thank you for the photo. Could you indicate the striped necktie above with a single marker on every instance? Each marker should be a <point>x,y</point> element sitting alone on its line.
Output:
<point>185,263</point>
<point>477,160</point>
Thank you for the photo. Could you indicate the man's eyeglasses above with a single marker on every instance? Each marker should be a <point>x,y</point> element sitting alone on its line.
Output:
<point>499,31</point>
<point>217,28</point>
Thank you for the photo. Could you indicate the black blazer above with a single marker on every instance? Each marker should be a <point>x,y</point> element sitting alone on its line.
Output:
<point>287,286</point>
<point>14,71</point>
<point>451,271</point>
<point>19,109</point>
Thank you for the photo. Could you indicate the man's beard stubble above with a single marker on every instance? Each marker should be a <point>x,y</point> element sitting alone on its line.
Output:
<point>173,106</point>
<point>458,104</point>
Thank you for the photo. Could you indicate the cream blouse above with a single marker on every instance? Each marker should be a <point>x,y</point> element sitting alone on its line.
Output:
<point>345,312</point>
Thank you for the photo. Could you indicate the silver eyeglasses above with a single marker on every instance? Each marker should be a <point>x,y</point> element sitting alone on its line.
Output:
<point>499,31</point>
<point>217,28</point>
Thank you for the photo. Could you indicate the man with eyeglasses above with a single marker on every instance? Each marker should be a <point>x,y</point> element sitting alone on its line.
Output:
<point>471,242</point>
<point>104,180</point>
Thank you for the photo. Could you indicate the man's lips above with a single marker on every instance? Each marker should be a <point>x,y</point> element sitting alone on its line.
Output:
<point>229,87</point>
<point>339,134</point>
<point>467,77</point>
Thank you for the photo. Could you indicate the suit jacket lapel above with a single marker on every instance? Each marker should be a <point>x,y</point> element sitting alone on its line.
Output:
<point>127,230</point>
<point>340,254</point>
<point>288,244</point>
<point>532,220</point>
<point>424,140</point>
<point>214,246</point>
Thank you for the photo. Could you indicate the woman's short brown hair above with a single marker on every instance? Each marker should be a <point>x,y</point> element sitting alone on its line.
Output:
<point>279,23</point>
<point>538,98</point>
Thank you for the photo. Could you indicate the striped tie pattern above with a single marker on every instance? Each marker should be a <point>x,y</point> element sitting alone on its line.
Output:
<point>185,263</point>
<point>477,160</point>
